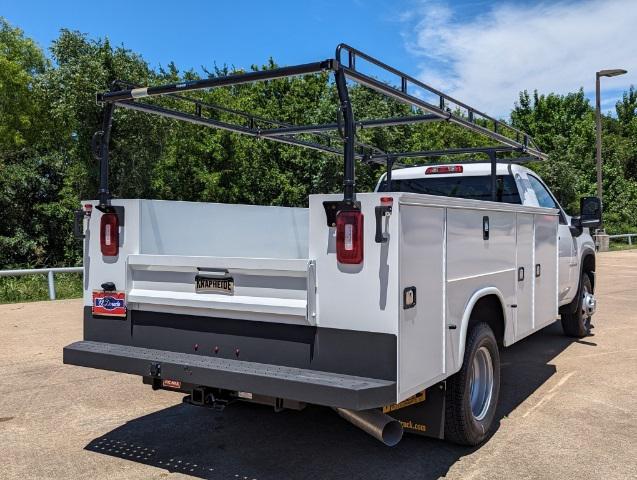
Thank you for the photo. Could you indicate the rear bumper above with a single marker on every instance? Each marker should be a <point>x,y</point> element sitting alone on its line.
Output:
<point>311,386</point>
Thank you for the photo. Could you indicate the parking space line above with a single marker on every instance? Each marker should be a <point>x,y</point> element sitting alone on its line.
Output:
<point>549,395</point>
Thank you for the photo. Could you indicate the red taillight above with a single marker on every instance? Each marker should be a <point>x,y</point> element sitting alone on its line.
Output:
<point>349,237</point>
<point>109,234</point>
<point>443,169</point>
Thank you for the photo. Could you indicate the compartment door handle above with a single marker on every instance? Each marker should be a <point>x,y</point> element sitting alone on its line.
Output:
<point>380,212</point>
<point>485,228</point>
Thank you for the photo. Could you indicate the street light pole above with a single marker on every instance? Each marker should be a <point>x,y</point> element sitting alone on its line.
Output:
<point>598,123</point>
<point>598,133</point>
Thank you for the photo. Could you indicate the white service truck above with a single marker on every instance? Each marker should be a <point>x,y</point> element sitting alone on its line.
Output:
<point>389,306</point>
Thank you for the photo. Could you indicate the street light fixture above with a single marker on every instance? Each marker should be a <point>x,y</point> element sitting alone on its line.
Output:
<point>598,121</point>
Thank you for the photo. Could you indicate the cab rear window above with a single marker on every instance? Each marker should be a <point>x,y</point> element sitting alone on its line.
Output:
<point>476,187</point>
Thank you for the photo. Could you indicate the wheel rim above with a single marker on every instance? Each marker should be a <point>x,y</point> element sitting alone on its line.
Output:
<point>481,383</point>
<point>588,306</point>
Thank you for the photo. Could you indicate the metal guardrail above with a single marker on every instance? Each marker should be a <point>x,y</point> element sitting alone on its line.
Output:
<point>50,273</point>
<point>624,235</point>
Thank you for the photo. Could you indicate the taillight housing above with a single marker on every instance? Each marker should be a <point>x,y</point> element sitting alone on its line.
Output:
<point>349,237</point>
<point>109,234</point>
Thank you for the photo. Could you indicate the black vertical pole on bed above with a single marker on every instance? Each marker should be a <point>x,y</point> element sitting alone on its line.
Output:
<point>349,132</point>
<point>103,194</point>
<point>494,175</point>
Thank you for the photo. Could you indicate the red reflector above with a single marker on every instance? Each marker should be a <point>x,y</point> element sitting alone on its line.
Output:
<point>386,200</point>
<point>109,234</point>
<point>349,237</point>
<point>171,383</point>
<point>443,169</point>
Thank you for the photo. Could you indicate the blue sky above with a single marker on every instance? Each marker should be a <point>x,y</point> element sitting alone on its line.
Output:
<point>482,51</point>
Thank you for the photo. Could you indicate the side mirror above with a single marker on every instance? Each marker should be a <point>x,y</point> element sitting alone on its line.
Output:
<point>590,213</point>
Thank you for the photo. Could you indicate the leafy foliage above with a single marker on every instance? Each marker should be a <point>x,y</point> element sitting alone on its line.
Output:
<point>48,116</point>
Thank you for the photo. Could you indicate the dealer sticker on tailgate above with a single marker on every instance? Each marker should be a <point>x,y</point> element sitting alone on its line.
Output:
<point>111,304</point>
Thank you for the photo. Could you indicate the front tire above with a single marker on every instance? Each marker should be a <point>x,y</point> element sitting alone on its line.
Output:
<point>577,323</point>
<point>472,393</point>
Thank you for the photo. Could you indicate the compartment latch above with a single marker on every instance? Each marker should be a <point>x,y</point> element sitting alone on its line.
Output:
<point>382,212</point>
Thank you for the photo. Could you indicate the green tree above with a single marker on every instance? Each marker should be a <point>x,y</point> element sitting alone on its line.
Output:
<point>48,116</point>
<point>564,126</point>
<point>21,61</point>
<point>27,176</point>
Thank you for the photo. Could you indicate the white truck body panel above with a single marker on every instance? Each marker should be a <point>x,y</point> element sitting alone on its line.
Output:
<point>284,266</point>
<point>571,248</point>
<point>422,328</point>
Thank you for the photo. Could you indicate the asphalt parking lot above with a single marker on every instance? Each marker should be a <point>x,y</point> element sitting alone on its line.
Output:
<point>568,410</point>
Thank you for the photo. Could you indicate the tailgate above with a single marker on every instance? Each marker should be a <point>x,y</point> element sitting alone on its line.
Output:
<point>266,289</point>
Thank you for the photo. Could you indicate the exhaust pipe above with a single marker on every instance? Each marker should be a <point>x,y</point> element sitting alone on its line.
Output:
<point>374,422</point>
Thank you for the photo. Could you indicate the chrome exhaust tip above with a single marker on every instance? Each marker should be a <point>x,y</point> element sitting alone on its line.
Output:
<point>374,422</point>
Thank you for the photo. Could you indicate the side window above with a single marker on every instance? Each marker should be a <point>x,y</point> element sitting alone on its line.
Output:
<point>544,198</point>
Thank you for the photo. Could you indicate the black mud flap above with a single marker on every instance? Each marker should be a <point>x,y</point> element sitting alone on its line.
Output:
<point>423,413</point>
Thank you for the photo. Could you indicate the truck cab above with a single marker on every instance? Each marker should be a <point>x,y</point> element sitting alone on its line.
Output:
<point>516,184</point>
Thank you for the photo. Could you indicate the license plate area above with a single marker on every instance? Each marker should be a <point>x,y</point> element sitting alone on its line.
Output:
<point>220,285</point>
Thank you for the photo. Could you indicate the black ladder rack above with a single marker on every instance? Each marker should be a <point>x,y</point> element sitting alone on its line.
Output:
<point>507,138</point>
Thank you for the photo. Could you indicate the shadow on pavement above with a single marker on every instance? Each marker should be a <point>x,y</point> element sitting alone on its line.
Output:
<point>252,442</point>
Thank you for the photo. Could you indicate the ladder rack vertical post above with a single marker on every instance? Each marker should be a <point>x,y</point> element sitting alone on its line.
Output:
<point>104,195</point>
<point>390,165</point>
<point>494,175</point>
<point>349,132</point>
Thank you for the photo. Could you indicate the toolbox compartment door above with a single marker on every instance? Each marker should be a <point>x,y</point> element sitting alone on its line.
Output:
<point>524,275</point>
<point>545,270</point>
<point>421,329</point>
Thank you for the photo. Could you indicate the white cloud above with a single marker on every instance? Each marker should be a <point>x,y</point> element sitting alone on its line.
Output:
<point>552,47</point>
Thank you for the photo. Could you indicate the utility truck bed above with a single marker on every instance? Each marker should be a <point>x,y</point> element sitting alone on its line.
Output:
<point>296,314</point>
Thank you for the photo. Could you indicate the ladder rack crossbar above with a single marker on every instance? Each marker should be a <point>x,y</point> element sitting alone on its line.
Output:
<point>132,97</point>
<point>451,151</point>
<point>473,114</point>
<point>208,122</point>
<point>282,128</point>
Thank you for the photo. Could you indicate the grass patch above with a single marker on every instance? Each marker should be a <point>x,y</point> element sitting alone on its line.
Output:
<point>32,288</point>
<point>621,246</point>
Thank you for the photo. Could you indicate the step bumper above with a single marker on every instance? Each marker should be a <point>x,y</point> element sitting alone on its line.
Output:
<point>311,386</point>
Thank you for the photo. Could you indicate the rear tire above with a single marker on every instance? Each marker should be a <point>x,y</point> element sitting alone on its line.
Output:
<point>576,322</point>
<point>472,393</point>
